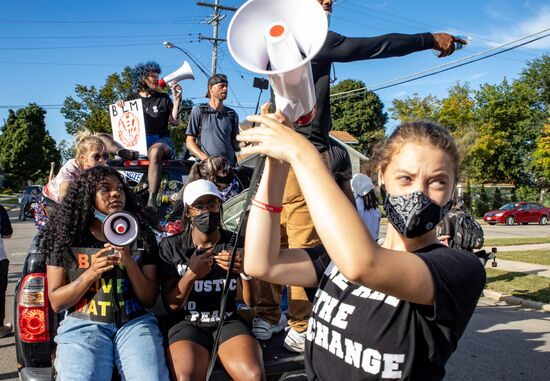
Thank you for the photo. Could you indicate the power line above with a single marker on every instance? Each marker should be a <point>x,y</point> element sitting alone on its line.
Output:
<point>477,37</point>
<point>182,20</point>
<point>421,74</point>
<point>99,37</point>
<point>82,46</point>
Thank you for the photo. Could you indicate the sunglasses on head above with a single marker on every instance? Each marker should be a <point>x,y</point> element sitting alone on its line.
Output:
<point>100,156</point>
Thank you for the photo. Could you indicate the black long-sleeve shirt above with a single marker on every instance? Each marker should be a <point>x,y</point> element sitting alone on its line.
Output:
<point>338,48</point>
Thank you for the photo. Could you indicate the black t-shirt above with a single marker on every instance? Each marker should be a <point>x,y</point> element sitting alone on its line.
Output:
<point>356,333</point>
<point>156,112</point>
<point>5,224</point>
<point>338,48</point>
<point>203,304</point>
<point>97,303</point>
<point>340,163</point>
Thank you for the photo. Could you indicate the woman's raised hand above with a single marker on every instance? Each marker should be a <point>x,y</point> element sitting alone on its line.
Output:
<point>273,137</point>
<point>103,261</point>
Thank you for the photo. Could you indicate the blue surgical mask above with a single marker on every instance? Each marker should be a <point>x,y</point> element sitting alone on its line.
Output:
<point>100,216</point>
<point>329,14</point>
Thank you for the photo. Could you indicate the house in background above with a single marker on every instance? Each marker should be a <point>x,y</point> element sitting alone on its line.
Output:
<point>347,140</point>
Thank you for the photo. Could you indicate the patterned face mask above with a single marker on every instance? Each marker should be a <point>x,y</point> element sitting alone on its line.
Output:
<point>413,214</point>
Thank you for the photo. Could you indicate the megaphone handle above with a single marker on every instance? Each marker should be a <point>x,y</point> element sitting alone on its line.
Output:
<point>117,253</point>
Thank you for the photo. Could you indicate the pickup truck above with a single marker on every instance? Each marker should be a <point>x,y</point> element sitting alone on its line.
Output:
<point>36,323</point>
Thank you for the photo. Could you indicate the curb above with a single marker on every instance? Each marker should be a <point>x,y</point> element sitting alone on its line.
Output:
<point>516,301</point>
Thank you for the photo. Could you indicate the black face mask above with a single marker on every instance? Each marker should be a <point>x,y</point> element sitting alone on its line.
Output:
<point>413,214</point>
<point>207,222</point>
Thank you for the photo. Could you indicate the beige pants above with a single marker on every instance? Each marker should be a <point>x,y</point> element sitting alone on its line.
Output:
<point>297,231</point>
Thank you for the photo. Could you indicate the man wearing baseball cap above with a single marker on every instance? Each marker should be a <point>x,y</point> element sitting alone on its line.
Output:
<point>213,127</point>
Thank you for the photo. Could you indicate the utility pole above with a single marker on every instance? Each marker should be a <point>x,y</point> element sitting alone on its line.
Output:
<point>215,21</point>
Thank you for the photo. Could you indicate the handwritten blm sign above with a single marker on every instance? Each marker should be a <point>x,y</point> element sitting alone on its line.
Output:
<point>129,125</point>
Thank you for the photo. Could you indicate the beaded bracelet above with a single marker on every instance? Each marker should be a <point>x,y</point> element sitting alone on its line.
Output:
<point>269,208</point>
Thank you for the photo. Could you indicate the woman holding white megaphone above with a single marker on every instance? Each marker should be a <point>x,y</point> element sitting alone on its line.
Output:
<point>158,112</point>
<point>105,296</point>
<point>394,311</point>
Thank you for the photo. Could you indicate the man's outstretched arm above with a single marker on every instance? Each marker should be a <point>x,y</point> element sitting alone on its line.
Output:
<point>338,48</point>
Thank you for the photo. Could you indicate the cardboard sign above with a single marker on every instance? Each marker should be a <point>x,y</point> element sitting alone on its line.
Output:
<point>128,125</point>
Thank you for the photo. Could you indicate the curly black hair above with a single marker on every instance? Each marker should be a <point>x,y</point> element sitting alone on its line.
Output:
<point>140,71</point>
<point>69,224</point>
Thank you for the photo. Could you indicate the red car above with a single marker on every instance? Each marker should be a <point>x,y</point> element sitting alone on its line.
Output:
<point>520,212</point>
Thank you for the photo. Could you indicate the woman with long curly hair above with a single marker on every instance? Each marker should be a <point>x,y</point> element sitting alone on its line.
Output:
<point>105,292</point>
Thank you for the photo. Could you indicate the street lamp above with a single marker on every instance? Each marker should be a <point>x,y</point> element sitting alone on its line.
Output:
<point>169,45</point>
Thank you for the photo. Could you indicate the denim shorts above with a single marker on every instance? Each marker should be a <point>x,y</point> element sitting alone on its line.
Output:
<point>88,350</point>
<point>166,140</point>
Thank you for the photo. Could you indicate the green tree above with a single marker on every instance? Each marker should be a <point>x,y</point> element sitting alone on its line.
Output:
<point>509,120</point>
<point>456,112</point>
<point>541,155</point>
<point>468,195</point>
<point>537,76</point>
<point>27,148</point>
<point>67,150</point>
<point>415,108</point>
<point>527,193</point>
<point>481,202</point>
<point>497,199</point>
<point>361,114</point>
<point>89,109</point>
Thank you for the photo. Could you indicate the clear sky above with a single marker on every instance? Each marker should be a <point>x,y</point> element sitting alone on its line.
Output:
<point>48,47</point>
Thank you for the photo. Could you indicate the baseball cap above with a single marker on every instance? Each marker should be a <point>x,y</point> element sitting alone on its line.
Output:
<point>215,79</point>
<point>199,188</point>
<point>361,184</point>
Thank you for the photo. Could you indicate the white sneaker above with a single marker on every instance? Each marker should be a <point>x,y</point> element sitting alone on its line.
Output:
<point>295,341</point>
<point>263,330</point>
<point>6,330</point>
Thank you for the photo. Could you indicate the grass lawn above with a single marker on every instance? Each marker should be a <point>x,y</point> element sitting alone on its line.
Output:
<point>522,285</point>
<point>539,257</point>
<point>515,241</point>
<point>11,200</point>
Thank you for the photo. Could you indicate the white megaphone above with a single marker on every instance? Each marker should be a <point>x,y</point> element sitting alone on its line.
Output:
<point>184,72</point>
<point>279,39</point>
<point>120,228</point>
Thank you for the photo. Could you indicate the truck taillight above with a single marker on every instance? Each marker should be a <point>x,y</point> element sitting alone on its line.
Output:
<point>33,309</point>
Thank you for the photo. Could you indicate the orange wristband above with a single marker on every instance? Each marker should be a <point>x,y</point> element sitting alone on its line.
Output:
<point>269,208</point>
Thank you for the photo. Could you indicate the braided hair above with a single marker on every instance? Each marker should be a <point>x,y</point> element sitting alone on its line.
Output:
<point>70,224</point>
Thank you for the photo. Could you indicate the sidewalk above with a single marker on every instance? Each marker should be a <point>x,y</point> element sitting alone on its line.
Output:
<point>534,246</point>
<point>523,267</point>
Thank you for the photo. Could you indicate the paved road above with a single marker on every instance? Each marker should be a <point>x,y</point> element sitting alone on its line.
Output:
<point>503,231</point>
<point>501,343</point>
